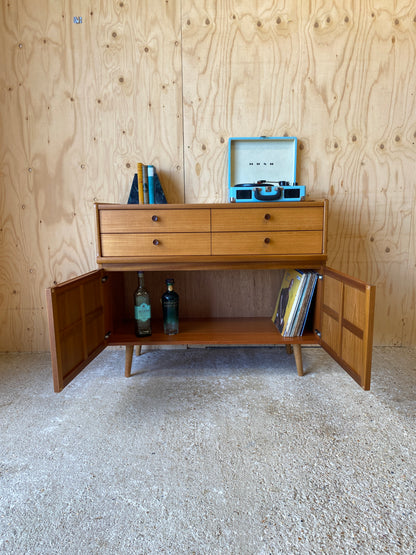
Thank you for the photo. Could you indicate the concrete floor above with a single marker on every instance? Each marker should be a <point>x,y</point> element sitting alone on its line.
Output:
<point>208,451</point>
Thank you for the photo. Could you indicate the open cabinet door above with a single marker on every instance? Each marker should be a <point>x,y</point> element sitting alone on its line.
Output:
<point>345,323</point>
<point>77,324</point>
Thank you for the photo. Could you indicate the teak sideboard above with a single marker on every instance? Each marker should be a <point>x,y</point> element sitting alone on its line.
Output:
<point>227,262</point>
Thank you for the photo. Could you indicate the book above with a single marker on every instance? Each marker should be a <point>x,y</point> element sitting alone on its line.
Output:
<point>145,185</point>
<point>286,299</point>
<point>140,182</point>
<point>151,183</point>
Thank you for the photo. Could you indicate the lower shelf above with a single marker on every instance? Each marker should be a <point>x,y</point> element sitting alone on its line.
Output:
<point>211,331</point>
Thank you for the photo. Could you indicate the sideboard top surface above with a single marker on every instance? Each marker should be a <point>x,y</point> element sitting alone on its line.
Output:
<point>233,205</point>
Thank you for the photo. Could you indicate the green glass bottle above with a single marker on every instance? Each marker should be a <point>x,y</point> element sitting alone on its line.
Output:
<point>170,309</point>
<point>142,311</point>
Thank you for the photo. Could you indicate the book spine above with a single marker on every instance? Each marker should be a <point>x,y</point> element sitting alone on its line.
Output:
<point>140,182</point>
<point>145,185</point>
<point>151,183</point>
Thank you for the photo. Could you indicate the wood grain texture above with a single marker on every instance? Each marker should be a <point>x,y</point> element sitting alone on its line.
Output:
<point>81,104</point>
<point>168,82</point>
<point>211,294</point>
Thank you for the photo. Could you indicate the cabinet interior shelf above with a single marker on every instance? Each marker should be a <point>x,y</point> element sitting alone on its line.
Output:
<point>210,331</point>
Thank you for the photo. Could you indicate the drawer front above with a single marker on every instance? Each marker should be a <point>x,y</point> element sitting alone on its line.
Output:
<point>155,244</point>
<point>276,219</point>
<point>154,220</point>
<point>270,243</point>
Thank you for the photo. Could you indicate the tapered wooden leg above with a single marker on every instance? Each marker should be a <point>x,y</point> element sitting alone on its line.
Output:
<point>129,360</point>
<point>138,350</point>
<point>289,349</point>
<point>298,359</point>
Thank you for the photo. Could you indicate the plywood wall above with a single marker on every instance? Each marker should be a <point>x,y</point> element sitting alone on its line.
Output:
<point>168,82</point>
<point>81,104</point>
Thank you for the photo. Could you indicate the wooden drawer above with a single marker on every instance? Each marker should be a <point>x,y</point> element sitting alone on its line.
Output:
<point>280,218</point>
<point>155,244</point>
<point>270,243</point>
<point>154,219</point>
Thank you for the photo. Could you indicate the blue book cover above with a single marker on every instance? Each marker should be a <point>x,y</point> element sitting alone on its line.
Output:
<point>151,183</point>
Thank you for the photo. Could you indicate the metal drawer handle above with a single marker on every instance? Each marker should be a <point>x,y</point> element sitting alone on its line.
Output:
<point>156,242</point>
<point>267,240</point>
<point>267,216</point>
<point>155,218</point>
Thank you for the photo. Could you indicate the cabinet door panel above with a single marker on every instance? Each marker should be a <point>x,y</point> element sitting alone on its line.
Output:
<point>76,312</point>
<point>346,323</point>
